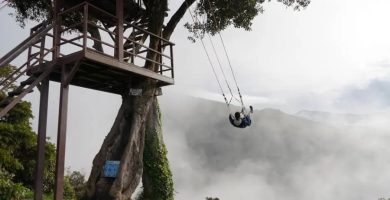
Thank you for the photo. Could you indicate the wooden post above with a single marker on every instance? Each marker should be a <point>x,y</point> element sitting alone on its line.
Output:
<point>119,31</point>
<point>160,49</point>
<point>42,50</point>
<point>41,138</point>
<point>61,137</point>
<point>58,4</point>
<point>172,72</point>
<point>85,29</point>
<point>29,51</point>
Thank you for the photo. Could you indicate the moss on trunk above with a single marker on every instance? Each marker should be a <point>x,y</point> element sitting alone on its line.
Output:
<point>157,177</point>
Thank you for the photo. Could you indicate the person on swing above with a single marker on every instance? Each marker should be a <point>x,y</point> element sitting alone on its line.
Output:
<point>241,119</point>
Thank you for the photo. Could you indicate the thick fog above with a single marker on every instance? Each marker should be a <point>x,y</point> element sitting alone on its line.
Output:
<point>279,157</point>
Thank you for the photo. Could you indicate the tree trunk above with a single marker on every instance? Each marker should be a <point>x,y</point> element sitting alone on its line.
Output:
<point>125,141</point>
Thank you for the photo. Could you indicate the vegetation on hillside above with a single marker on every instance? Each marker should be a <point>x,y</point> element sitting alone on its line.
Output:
<point>18,150</point>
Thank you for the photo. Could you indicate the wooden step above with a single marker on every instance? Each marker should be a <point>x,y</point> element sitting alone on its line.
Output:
<point>138,37</point>
<point>5,102</point>
<point>17,91</point>
<point>142,25</point>
<point>30,80</point>
<point>137,32</point>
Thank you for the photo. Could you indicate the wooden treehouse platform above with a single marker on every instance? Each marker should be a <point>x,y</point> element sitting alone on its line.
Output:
<point>99,72</point>
<point>98,55</point>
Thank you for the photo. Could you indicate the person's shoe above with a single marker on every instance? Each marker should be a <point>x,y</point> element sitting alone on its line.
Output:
<point>251,109</point>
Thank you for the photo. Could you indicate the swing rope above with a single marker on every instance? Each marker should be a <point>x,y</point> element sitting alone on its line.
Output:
<point>211,63</point>
<point>228,59</point>
<point>220,67</point>
<point>231,69</point>
<point>240,100</point>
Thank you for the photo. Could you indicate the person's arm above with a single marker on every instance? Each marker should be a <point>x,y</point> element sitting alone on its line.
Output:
<point>245,113</point>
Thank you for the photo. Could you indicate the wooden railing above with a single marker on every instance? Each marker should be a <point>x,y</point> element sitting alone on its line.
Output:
<point>33,60</point>
<point>36,54</point>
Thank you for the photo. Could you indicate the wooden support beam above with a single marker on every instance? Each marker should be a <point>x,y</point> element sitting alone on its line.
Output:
<point>72,72</point>
<point>61,137</point>
<point>41,138</point>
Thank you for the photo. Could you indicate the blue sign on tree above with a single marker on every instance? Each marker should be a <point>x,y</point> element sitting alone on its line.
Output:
<point>111,168</point>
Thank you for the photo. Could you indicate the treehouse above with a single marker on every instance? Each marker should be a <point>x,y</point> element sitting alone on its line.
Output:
<point>101,51</point>
<point>100,45</point>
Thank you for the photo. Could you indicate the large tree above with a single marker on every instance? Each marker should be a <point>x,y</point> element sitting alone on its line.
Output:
<point>138,120</point>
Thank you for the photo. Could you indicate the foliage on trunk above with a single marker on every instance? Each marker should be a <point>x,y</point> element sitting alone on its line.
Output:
<point>157,177</point>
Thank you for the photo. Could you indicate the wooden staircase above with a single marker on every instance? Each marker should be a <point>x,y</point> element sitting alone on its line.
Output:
<point>25,87</point>
<point>136,40</point>
<point>15,95</point>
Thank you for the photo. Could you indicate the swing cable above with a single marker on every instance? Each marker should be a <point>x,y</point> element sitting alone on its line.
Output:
<point>220,67</point>
<point>209,59</point>
<point>228,59</point>
<point>231,69</point>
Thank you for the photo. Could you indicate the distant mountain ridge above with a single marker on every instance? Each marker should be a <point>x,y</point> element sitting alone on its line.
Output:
<point>373,120</point>
<point>328,117</point>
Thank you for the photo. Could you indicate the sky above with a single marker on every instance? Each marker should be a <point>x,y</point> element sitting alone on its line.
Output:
<point>332,56</point>
<point>313,59</point>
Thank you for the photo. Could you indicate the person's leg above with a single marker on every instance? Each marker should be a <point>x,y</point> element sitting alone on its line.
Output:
<point>248,120</point>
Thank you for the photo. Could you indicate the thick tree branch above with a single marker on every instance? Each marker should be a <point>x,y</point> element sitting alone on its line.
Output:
<point>168,30</point>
